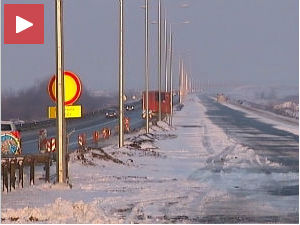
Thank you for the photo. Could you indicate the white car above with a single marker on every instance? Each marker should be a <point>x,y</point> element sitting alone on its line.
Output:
<point>8,126</point>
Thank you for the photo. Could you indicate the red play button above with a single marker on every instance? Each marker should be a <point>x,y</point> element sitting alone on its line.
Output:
<point>23,23</point>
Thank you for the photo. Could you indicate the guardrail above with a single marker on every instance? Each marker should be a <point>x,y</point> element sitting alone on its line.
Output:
<point>51,122</point>
<point>13,167</point>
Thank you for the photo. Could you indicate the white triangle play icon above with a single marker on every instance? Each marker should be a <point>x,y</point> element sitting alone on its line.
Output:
<point>22,24</point>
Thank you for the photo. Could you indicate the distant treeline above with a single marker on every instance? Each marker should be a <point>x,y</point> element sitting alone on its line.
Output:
<point>32,104</point>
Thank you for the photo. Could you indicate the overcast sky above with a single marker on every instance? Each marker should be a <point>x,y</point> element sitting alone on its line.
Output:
<point>243,41</point>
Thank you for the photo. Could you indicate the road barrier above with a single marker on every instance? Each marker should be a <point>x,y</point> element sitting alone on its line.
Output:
<point>82,140</point>
<point>127,124</point>
<point>96,136</point>
<point>42,140</point>
<point>48,146</point>
<point>106,132</point>
<point>10,166</point>
<point>53,144</point>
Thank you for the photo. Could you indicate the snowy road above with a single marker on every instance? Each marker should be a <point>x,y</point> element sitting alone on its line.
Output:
<point>216,166</point>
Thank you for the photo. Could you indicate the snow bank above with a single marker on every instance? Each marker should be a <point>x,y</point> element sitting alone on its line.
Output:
<point>61,211</point>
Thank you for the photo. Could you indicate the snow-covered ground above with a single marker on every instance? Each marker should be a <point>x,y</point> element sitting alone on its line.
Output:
<point>262,94</point>
<point>280,99</point>
<point>278,121</point>
<point>189,173</point>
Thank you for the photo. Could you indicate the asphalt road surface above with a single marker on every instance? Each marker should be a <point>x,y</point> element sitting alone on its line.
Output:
<point>78,126</point>
<point>277,186</point>
<point>277,145</point>
<point>87,126</point>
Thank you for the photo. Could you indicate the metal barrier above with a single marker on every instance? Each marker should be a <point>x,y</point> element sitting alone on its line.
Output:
<point>15,165</point>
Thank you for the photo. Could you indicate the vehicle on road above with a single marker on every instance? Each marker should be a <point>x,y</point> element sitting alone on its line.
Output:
<point>111,113</point>
<point>10,139</point>
<point>18,122</point>
<point>129,107</point>
<point>144,114</point>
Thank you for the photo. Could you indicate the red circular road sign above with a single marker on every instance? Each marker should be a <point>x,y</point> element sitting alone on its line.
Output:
<point>73,88</point>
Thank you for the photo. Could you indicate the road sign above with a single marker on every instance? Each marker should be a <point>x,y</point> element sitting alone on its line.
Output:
<point>73,88</point>
<point>71,111</point>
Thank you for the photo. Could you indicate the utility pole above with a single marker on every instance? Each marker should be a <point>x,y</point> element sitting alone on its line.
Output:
<point>166,54</point>
<point>180,80</point>
<point>60,96</point>
<point>171,74</point>
<point>121,78</point>
<point>186,82</point>
<point>183,80</point>
<point>147,63</point>
<point>159,60</point>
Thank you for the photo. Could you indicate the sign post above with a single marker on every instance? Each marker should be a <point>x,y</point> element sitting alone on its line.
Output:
<point>64,89</point>
<point>60,97</point>
<point>121,78</point>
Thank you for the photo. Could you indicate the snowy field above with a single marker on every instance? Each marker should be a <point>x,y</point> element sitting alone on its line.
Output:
<point>189,173</point>
<point>278,121</point>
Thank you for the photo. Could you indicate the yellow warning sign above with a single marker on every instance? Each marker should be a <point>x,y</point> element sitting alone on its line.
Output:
<point>71,111</point>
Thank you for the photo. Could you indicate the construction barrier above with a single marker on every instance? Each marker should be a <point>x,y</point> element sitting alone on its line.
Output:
<point>42,145</point>
<point>48,146</point>
<point>53,144</point>
<point>126,124</point>
<point>81,140</point>
<point>106,133</point>
<point>96,136</point>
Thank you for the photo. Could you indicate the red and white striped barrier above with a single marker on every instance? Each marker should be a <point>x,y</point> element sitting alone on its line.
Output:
<point>53,144</point>
<point>106,133</point>
<point>48,146</point>
<point>96,136</point>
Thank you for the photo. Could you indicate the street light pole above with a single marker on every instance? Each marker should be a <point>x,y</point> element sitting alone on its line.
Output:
<point>186,82</point>
<point>159,60</point>
<point>60,96</point>
<point>180,80</point>
<point>121,78</point>
<point>171,74</point>
<point>166,53</point>
<point>147,63</point>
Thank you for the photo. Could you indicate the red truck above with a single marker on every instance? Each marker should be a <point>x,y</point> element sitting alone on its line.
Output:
<point>154,105</point>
